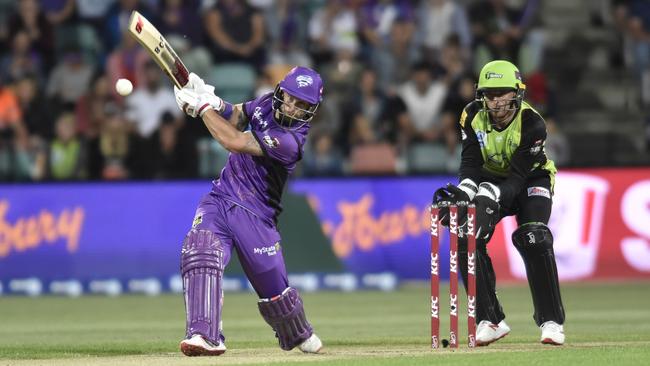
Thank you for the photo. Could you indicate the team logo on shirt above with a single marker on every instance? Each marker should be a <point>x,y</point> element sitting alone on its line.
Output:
<point>271,142</point>
<point>304,80</point>
<point>269,251</point>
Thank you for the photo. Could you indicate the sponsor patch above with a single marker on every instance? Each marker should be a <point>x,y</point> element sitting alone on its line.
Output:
<point>537,147</point>
<point>493,75</point>
<point>482,138</point>
<point>271,142</point>
<point>269,251</point>
<point>518,75</point>
<point>463,117</point>
<point>257,114</point>
<point>539,191</point>
<point>197,220</point>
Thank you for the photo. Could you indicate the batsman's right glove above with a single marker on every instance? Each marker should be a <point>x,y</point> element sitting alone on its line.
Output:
<point>453,195</point>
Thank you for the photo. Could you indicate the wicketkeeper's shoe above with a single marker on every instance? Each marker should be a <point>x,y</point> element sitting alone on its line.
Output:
<point>199,346</point>
<point>552,333</point>
<point>488,332</point>
<point>311,345</point>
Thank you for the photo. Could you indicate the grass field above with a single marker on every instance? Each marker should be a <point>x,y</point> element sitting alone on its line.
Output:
<point>607,324</point>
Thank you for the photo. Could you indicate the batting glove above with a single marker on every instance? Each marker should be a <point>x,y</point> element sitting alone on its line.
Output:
<point>196,104</point>
<point>198,85</point>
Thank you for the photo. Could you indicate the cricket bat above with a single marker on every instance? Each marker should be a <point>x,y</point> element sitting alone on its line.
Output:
<point>152,41</point>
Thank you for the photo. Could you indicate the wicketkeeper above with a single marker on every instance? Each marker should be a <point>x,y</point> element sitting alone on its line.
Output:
<point>505,171</point>
<point>265,137</point>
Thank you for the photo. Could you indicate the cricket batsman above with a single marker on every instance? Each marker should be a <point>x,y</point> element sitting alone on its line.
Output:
<point>504,171</point>
<point>265,137</point>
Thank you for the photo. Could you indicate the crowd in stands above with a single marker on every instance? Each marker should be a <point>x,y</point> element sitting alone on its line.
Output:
<point>632,20</point>
<point>397,74</point>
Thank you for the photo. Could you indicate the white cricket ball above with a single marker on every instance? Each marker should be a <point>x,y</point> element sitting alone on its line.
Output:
<point>123,87</point>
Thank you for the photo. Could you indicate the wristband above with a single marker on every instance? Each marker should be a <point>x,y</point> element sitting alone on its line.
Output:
<point>227,110</point>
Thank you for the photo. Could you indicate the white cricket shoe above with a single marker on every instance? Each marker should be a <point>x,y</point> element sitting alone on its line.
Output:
<point>488,332</point>
<point>199,346</point>
<point>311,345</point>
<point>552,333</point>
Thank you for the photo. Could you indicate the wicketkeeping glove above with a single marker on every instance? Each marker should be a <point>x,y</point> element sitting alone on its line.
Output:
<point>487,209</point>
<point>450,195</point>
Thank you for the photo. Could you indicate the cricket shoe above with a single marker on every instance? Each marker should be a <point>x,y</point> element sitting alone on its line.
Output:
<point>488,332</point>
<point>199,346</point>
<point>311,345</point>
<point>552,333</point>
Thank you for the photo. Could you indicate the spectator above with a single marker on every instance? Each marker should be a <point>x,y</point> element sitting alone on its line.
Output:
<point>394,56</point>
<point>322,158</point>
<point>30,19</point>
<point>638,29</point>
<point>180,18</point>
<point>66,152</point>
<point>93,12</point>
<point>174,156</point>
<point>23,59</point>
<point>58,11</point>
<point>331,29</point>
<point>90,110</point>
<point>437,21</point>
<point>127,61</point>
<point>287,28</point>
<point>424,95</point>
<point>36,112</point>
<point>496,31</point>
<point>115,21</point>
<point>11,128</point>
<point>70,78</point>
<point>147,104</point>
<point>375,115</point>
<point>111,154</point>
<point>235,33</point>
<point>557,144</point>
<point>376,21</point>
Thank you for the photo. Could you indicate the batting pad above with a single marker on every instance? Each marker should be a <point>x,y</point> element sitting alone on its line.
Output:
<point>202,271</point>
<point>286,315</point>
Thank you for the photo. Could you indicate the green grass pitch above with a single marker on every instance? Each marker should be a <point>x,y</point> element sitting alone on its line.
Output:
<point>607,324</point>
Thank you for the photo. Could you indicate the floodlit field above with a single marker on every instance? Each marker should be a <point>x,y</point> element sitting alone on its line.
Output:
<point>607,324</point>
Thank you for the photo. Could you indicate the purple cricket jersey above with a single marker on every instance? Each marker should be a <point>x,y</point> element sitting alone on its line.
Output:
<point>256,182</point>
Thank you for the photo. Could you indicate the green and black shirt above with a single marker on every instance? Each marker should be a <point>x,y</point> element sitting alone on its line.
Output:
<point>507,157</point>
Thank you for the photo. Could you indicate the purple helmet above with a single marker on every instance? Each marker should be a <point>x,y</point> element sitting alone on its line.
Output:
<point>302,83</point>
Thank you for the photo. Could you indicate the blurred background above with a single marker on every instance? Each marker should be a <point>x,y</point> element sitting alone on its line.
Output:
<point>98,190</point>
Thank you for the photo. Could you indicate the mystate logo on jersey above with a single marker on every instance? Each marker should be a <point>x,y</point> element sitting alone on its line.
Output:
<point>269,251</point>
